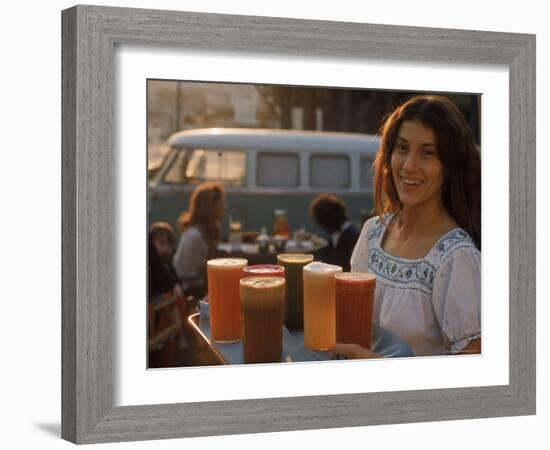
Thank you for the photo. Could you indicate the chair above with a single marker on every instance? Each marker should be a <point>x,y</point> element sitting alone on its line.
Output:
<point>167,322</point>
<point>164,326</point>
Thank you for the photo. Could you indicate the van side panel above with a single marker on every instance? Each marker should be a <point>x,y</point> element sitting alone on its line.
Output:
<point>253,204</point>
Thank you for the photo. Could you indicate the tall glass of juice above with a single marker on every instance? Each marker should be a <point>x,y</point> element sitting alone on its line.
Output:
<point>319,305</point>
<point>262,306</point>
<point>354,305</point>
<point>294,297</point>
<point>224,275</point>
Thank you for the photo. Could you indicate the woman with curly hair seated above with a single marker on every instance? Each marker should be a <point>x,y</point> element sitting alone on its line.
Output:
<point>200,231</point>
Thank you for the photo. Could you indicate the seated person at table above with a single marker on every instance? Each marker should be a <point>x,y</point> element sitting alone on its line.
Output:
<point>424,245</point>
<point>330,214</point>
<point>162,276</point>
<point>200,227</point>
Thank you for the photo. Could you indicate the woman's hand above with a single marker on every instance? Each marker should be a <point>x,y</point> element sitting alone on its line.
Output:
<point>353,351</point>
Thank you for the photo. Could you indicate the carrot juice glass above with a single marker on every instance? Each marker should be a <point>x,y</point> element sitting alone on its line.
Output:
<point>354,305</point>
<point>319,305</point>
<point>224,275</point>
<point>262,307</point>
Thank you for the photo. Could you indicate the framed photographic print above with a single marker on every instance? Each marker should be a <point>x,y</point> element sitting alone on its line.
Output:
<point>294,160</point>
<point>157,103</point>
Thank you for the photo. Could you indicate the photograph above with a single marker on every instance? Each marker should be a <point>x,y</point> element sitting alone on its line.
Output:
<point>290,224</point>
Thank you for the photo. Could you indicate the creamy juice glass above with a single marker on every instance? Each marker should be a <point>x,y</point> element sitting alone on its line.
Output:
<point>354,305</point>
<point>294,298</point>
<point>262,307</point>
<point>319,305</point>
<point>224,275</point>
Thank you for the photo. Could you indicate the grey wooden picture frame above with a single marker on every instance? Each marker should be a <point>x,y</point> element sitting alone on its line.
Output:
<point>89,37</point>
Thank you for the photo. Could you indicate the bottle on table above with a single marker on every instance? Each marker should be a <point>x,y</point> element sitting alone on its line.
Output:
<point>263,241</point>
<point>280,223</point>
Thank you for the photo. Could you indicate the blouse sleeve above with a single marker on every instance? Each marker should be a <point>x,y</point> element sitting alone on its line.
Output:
<point>360,254</point>
<point>457,298</point>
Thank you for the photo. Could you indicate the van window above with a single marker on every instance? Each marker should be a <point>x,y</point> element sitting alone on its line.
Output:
<point>329,171</point>
<point>278,169</point>
<point>202,165</point>
<point>366,178</point>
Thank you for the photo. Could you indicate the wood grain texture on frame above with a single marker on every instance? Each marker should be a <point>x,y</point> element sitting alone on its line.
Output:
<point>88,199</point>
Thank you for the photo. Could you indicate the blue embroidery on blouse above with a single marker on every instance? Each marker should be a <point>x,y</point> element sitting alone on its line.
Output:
<point>415,274</point>
<point>401,272</point>
<point>376,229</point>
<point>451,239</point>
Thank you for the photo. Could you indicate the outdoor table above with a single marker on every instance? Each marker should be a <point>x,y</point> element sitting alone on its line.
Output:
<point>384,343</point>
<point>252,253</point>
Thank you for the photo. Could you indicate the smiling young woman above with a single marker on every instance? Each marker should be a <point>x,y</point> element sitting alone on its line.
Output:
<point>433,120</point>
<point>424,244</point>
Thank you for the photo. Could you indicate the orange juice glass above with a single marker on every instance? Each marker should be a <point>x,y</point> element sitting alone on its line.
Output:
<point>224,275</point>
<point>354,305</point>
<point>319,305</point>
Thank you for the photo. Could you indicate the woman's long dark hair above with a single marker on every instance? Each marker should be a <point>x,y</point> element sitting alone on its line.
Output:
<point>456,150</point>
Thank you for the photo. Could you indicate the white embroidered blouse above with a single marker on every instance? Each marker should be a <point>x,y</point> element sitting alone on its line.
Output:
<point>433,303</point>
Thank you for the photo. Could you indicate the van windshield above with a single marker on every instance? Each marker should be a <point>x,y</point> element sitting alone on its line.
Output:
<point>200,165</point>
